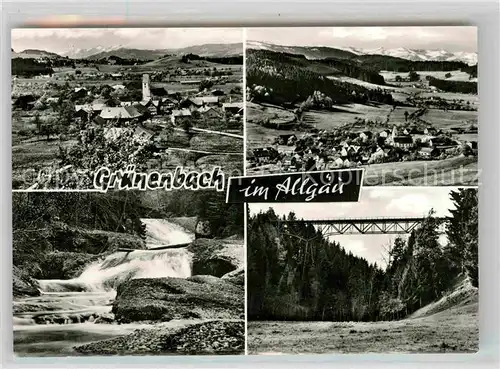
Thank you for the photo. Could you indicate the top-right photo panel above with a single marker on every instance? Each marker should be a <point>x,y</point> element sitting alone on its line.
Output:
<point>401,102</point>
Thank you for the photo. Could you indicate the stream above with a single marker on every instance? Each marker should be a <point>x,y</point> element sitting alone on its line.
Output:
<point>78,311</point>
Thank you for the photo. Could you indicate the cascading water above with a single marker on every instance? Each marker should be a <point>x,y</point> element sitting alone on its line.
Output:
<point>89,297</point>
<point>161,232</point>
<point>121,266</point>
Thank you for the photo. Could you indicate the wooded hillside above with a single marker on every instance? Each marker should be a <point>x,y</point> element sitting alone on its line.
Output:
<point>298,274</point>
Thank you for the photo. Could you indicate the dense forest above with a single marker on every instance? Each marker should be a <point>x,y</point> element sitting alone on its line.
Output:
<point>120,211</point>
<point>30,67</point>
<point>290,79</point>
<point>462,87</point>
<point>471,69</point>
<point>390,63</point>
<point>228,60</point>
<point>354,70</point>
<point>295,273</point>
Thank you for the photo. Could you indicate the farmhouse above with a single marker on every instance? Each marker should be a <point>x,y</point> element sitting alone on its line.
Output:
<point>404,142</point>
<point>428,152</point>
<point>179,116</point>
<point>289,139</point>
<point>365,136</point>
<point>143,133</point>
<point>233,108</point>
<point>208,112</point>
<point>123,113</point>
<point>385,133</point>
<point>378,155</point>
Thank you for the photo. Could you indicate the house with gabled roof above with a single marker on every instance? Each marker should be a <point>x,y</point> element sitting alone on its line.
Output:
<point>180,115</point>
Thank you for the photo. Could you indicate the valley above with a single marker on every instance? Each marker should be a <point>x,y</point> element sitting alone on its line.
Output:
<point>157,109</point>
<point>345,110</point>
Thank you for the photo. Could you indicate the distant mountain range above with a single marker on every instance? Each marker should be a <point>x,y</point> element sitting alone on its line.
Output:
<point>323,52</point>
<point>100,52</point>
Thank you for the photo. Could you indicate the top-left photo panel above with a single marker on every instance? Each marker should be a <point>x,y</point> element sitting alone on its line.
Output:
<point>153,98</point>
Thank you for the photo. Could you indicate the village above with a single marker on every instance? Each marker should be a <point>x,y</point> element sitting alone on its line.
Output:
<point>75,120</point>
<point>344,148</point>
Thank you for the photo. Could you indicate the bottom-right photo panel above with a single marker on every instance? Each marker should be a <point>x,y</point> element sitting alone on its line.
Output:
<point>395,272</point>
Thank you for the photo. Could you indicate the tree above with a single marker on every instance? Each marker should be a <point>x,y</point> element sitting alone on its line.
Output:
<point>37,122</point>
<point>462,232</point>
<point>205,84</point>
<point>413,76</point>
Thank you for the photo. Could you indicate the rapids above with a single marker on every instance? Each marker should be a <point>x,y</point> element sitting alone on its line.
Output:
<point>67,311</point>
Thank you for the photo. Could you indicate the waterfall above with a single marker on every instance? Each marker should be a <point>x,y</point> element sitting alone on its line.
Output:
<point>121,266</point>
<point>107,274</point>
<point>161,232</point>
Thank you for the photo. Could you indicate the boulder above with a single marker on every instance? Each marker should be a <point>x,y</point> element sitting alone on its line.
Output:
<point>64,264</point>
<point>164,299</point>
<point>22,285</point>
<point>236,276</point>
<point>72,239</point>
<point>217,257</point>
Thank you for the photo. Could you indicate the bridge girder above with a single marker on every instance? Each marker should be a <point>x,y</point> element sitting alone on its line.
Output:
<point>346,226</point>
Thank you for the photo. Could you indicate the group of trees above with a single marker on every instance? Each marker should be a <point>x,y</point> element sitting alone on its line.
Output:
<point>390,63</point>
<point>462,87</point>
<point>295,273</point>
<point>27,67</point>
<point>228,60</point>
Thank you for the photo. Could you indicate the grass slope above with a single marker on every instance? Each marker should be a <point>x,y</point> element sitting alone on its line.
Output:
<point>450,324</point>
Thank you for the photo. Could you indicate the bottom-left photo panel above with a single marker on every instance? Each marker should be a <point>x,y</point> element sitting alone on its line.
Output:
<point>127,273</point>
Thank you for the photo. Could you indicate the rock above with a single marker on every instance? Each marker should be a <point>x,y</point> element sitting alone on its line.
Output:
<point>22,285</point>
<point>204,279</point>
<point>217,257</point>
<point>202,229</point>
<point>105,319</point>
<point>217,337</point>
<point>63,264</point>
<point>72,239</point>
<point>236,276</point>
<point>164,299</point>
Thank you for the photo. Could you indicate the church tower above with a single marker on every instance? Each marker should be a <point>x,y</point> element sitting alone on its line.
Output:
<point>394,132</point>
<point>146,91</point>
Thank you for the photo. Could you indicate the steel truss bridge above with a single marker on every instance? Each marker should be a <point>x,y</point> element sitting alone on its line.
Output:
<point>346,226</point>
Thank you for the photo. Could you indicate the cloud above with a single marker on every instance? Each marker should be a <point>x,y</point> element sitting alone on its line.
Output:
<point>416,204</point>
<point>64,39</point>
<point>357,247</point>
<point>457,38</point>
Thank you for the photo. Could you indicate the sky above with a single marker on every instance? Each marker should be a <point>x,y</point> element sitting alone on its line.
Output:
<point>459,38</point>
<point>373,202</point>
<point>61,40</point>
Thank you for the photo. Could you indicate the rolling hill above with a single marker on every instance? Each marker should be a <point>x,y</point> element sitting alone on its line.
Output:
<point>34,54</point>
<point>324,52</point>
<point>211,50</point>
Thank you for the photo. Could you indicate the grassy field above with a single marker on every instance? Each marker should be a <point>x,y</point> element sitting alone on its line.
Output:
<point>455,330</point>
<point>449,324</point>
<point>456,75</point>
<point>447,172</point>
